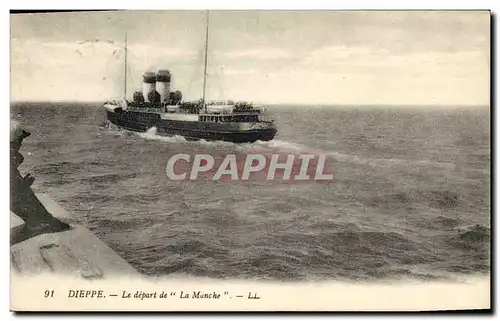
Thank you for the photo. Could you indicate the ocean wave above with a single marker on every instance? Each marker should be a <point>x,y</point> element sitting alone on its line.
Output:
<point>277,145</point>
<point>440,222</point>
<point>476,234</point>
<point>134,199</point>
<point>104,225</point>
<point>65,168</point>
<point>371,241</point>
<point>387,162</point>
<point>57,182</point>
<point>107,178</point>
<point>346,158</point>
<point>283,145</point>
<point>411,198</point>
<point>475,238</point>
<point>87,199</point>
<point>397,208</point>
<point>182,265</point>
<point>292,147</point>
<point>152,134</point>
<point>444,199</point>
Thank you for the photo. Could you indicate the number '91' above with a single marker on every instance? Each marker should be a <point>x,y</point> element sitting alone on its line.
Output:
<point>49,293</point>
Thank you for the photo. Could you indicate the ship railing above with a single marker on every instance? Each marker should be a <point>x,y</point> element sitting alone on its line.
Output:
<point>234,113</point>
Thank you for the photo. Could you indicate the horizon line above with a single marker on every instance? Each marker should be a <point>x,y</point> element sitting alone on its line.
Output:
<point>278,103</point>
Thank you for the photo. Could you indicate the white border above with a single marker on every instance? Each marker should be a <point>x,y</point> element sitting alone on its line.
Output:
<point>263,4</point>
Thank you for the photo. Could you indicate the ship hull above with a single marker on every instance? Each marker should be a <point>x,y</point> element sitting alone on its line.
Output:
<point>191,130</point>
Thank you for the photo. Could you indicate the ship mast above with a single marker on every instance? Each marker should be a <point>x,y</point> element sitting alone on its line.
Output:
<point>125,71</point>
<point>206,58</point>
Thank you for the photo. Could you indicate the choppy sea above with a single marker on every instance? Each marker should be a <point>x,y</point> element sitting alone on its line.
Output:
<point>410,196</point>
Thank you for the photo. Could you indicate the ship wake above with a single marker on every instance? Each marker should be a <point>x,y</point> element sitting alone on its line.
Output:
<point>282,146</point>
<point>285,146</point>
<point>152,134</point>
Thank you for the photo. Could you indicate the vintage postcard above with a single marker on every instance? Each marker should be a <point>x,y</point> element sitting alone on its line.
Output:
<point>206,160</point>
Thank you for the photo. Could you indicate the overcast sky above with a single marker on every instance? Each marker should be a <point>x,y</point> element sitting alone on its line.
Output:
<point>326,57</point>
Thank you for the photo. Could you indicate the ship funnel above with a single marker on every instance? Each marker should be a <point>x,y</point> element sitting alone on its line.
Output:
<point>163,84</point>
<point>148,84</point>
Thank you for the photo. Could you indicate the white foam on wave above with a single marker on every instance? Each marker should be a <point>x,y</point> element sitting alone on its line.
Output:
<point>114,130</point>
<point>151,134</point>
<point>285,146</point>
<point>273,145</point>
<point>386,162</point>
<point>347,158</point>
<point>218,143</point>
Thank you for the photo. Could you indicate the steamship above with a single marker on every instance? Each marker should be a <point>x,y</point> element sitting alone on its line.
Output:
<point>160,107</point>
